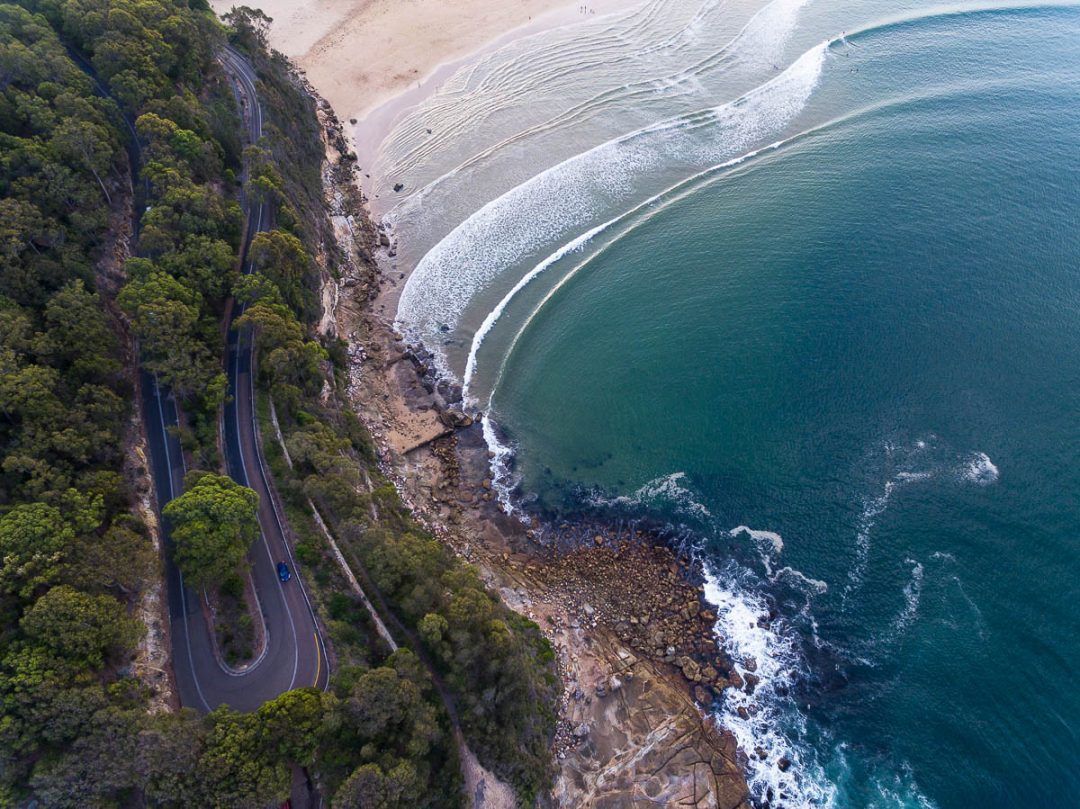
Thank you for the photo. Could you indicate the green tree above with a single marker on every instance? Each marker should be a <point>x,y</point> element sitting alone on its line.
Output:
<point>281,257</point>
<point>47,701</point>
<point>170,746</point>
<point>98,769</point>
<point>434,629</point>
<point>291,724</point>
<point>89,145</point>
<point>251,25</point>
<point>235,769</point>
<point>370,787</point>
<point>80,627</point>
<point>292,364</point>
<point>22,228</point>
<point>78,338</point>
<point>34,540</point>
<point>214,523</point>
<point>121,558</point>
<point>205,264</point>
<point>165,315</point>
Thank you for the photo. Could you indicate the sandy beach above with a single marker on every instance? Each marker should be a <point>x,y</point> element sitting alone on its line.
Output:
<point>362,54</point>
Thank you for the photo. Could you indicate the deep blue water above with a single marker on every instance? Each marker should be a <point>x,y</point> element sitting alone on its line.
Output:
<point>866,342</point>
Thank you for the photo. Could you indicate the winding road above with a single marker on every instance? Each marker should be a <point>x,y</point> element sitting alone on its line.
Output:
<point>294,654</point>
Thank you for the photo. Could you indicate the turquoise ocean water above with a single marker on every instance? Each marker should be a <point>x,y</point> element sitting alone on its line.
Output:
<point>829,325</point>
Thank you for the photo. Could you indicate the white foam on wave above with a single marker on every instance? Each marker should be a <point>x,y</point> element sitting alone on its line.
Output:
<point>974,468</point>
<point>493,316</point>
<point>502,481</point>
<point>773,539</point>
<point>575,245</point>
<point>759,43</point>
<point>667,489</point>
<point>696,25</point>
<point>570,196</point>
<point>980,470</point>
<point>816,586</point>
<point>874,507</point>
<point>899,792</point>
<point>768,543</point>
<point>671,489</point>
<point>765,37</point>
<point>784,756</point>
<point>912,596</point>
<point>767,724</point>
<point>786,759</point>
<point>976,613</point>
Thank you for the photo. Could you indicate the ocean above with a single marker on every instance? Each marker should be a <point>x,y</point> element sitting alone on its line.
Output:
<point>801,280</point>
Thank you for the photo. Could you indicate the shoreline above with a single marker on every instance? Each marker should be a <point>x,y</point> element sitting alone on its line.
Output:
<point>373,59</point>
<point>375,121</point>
<point>634,636</point>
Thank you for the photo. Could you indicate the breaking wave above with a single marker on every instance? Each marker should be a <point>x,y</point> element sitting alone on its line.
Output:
<point>667,490</point>
<point>763,714</point>
<point>576,245</point>
<point>632,44</point>
<point>502,459</point>
<point>980,470</point>
<point>494,315</point>
<point>571,196</point>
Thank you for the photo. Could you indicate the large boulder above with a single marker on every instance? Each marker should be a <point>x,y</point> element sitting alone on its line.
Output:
<point>690,668</point>
<point>455,419</point>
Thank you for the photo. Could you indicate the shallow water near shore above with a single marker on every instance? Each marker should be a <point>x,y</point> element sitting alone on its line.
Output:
<point>830,326</point>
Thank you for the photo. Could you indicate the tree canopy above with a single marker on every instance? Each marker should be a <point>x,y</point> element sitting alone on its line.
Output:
<point>214,523</point>
<point>79,627</point>
<point>34,540</point>
<point>114,106</point>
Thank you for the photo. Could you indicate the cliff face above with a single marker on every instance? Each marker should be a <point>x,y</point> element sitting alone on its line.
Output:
<point>633,638</point>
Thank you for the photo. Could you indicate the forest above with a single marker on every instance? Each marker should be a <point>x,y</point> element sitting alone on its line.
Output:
<point>120,228</point>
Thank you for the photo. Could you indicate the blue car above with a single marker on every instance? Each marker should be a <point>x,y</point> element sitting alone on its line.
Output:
<point>283,571</point>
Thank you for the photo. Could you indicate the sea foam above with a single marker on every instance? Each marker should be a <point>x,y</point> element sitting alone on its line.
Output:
<point>767,724</point>
<point>667,490</point>
<point>502,457</point>
<point>773,539</point>
<point>980,470</point>
<point>509,90</point>
<point>816,586</point>
<point>912,596</point>
<point>921,452</point>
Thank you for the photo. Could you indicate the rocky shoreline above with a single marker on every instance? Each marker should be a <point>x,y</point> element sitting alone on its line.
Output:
<point>637,653</point>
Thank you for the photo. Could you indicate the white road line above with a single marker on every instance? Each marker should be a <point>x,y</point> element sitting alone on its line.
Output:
<point>183,594</point>
<point>262,534</point>
<point>256,109</point>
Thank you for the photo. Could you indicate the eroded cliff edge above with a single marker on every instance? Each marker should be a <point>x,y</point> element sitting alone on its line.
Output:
<point>637,654</point>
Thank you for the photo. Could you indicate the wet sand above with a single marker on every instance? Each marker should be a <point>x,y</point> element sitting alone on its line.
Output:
<point>373,58</point>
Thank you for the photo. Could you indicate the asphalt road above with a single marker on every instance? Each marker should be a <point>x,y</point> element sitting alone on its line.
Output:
<point>294,654</point>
